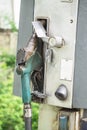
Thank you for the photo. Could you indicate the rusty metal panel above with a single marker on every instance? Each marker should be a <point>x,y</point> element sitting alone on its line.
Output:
<point>48,117</point>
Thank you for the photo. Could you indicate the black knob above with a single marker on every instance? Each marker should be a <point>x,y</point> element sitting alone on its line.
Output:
<point>62,92</point>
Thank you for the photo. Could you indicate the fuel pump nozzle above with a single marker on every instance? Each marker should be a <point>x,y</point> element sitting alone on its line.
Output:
<point>27,59</point>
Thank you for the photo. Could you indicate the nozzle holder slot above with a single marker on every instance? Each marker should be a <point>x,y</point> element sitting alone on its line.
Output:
<point>45,23</point>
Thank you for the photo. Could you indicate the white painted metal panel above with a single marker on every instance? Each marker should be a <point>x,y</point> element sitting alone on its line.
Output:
<point>63,20</point>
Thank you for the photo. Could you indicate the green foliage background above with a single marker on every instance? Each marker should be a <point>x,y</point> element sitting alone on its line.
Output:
<point>11,107</point>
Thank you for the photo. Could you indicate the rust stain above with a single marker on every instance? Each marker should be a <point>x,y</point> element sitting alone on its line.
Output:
<point>55,123</point>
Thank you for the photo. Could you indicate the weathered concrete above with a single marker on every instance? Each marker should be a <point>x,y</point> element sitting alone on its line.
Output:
<point>8,40</point>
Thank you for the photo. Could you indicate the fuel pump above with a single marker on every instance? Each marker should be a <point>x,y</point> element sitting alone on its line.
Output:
<point>56,70</point>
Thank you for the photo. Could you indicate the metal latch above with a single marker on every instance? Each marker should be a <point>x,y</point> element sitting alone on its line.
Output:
<point>55,41</point>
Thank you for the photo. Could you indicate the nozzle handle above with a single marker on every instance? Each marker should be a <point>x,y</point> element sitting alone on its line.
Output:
<point>26,94</point>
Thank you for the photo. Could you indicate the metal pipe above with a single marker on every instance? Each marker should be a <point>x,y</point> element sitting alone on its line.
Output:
<point>27,117</point>
<point>63,122</point>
